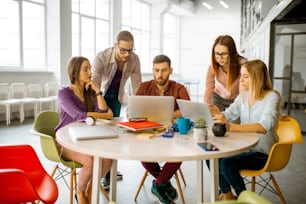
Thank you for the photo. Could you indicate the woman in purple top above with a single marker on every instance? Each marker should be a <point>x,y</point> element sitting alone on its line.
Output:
<point>82,99</point>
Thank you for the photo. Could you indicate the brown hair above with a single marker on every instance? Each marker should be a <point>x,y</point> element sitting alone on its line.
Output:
<point>162,58</point>
<point>124,36</point>
<point>234,68</point>
<point>74,67</point>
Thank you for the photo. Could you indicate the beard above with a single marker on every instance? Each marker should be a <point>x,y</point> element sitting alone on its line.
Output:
<point>161,82</point>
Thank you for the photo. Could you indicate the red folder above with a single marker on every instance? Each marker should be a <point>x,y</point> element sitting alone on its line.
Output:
<point>140,125</point>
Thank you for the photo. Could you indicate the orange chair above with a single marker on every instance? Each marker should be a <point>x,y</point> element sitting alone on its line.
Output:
<point>289,133</point>
<point>23,178</point>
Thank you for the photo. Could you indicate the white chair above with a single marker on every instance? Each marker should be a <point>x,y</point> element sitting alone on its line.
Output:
<point>36,91</point>
<point>19,91</point>
<point>8,103</point>
<point>50,90</point>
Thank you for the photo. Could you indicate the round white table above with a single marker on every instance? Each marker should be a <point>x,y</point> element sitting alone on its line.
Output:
<point>179,148</point>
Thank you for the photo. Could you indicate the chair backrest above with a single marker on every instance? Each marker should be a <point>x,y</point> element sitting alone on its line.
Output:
<point>44,125</point>
<point>4,91</point>
<point>289,130</point>
<point>18,90</point>
<point>45,122</point>
<point>35,90</point>
<point>25,159</point>
<point>51,88</point>
<point>289,133</point>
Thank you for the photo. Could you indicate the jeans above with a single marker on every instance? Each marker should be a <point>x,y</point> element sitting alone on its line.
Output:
<point>229,168</point>
<point>111,98</point>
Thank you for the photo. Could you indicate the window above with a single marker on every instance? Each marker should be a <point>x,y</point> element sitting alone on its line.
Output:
<point>22,35</point>
<point>171,39</point>
<point>90,27</point>
<point>136,18</point>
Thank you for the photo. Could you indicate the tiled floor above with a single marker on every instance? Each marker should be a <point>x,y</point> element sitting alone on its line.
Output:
<point>291,179</point>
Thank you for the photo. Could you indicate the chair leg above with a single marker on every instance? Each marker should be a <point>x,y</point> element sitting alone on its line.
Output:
<point>253,184</point>
<point>182,176</point>
<point>141,184</point>
<point>72,178</point>
<point>280,195</point>
<point>104,193</point>
<point>179,187</point>
<point>54,170</point>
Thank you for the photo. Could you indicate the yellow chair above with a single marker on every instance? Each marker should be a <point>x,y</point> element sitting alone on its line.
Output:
<point>146,173</point>
<point>44,125</point>
<point>245,197</point>
<point>289,133</point>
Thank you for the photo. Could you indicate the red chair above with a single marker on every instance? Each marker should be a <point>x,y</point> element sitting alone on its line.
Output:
<point>23,178</point>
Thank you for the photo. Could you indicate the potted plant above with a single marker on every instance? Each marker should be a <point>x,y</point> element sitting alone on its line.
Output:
<point>200,129</point>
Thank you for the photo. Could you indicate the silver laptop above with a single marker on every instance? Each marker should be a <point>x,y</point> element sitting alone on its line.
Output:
<point>154,108</point>
<point>89,132</point>
<point>195,110</point>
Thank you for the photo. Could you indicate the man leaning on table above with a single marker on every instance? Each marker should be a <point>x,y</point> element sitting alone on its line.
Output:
<point>162,86</point>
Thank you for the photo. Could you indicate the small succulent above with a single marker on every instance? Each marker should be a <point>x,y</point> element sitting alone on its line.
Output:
<point>200,123</point>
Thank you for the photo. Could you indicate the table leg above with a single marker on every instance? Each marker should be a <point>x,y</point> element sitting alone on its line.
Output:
<point>200,187</point>
<point>97,166</point>
<point>214,179</point>
<point>113,181</point>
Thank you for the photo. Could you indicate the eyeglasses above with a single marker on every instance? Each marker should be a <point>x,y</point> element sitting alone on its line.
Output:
<point>124,51</point>
<point>222,54</point>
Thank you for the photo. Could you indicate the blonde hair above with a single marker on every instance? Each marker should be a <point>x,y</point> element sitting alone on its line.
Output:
<point>260,78</point>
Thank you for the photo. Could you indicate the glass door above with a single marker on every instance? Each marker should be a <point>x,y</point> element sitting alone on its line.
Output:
<point>289,69</point>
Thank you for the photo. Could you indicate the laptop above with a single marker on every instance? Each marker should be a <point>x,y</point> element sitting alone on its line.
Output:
<point>153,108</point>
<point>89,132</point>
<point>195,110</point>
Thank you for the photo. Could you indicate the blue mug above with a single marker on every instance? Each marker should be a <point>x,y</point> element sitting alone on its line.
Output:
<point>184,125</point>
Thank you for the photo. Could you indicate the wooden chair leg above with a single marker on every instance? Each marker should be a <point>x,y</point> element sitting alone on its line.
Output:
<point>179,187</point>
<point>72,178</point>
<point>279,192</point>
<point>141,184</point>
<point>104,193</point>
<point>54,170</point>
<point>182,176</point>
<point>253,183</point>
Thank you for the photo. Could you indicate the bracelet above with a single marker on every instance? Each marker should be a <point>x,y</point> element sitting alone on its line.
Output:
<point>99,93</point>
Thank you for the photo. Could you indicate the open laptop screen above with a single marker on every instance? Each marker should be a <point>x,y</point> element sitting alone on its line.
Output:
<point>154,108</point>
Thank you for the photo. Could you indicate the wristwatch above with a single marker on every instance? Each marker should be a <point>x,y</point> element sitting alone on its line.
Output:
<point>90,120</point>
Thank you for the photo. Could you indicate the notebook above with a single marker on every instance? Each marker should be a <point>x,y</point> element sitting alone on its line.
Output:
<point>195,110</point>
<point>87,132</point>
<point>153,108</point>
<point>137,126</point>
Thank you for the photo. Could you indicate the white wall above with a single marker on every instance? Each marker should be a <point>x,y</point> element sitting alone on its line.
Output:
<point>198,33</point>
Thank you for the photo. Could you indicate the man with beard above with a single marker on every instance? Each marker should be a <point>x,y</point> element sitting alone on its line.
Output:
<point>111,69</point>
<point>162,86</point>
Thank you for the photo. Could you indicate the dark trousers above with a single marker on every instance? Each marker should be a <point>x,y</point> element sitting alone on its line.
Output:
<point>111,98</point>
<point>162,174</point>
<point>229,169</point>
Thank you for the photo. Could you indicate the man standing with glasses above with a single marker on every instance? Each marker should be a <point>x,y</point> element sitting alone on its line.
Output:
<point>111,69</point>
<point>222,77</point>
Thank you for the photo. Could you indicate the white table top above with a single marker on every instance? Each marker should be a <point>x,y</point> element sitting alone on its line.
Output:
<point>180,148</point>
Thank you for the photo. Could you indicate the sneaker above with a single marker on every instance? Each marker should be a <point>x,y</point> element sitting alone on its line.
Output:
<point>171,191</point>
<point>159,193</point>
<point>106,180</point>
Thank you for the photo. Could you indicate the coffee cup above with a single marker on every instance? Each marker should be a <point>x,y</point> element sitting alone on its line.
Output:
<point>184,125</point>
<point>219,129</point>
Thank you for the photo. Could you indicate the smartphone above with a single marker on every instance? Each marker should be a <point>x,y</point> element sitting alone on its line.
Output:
<point>208,146</point>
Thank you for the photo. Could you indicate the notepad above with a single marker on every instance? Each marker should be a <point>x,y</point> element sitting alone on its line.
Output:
<point>138,126</point>
<point>86,132</point>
